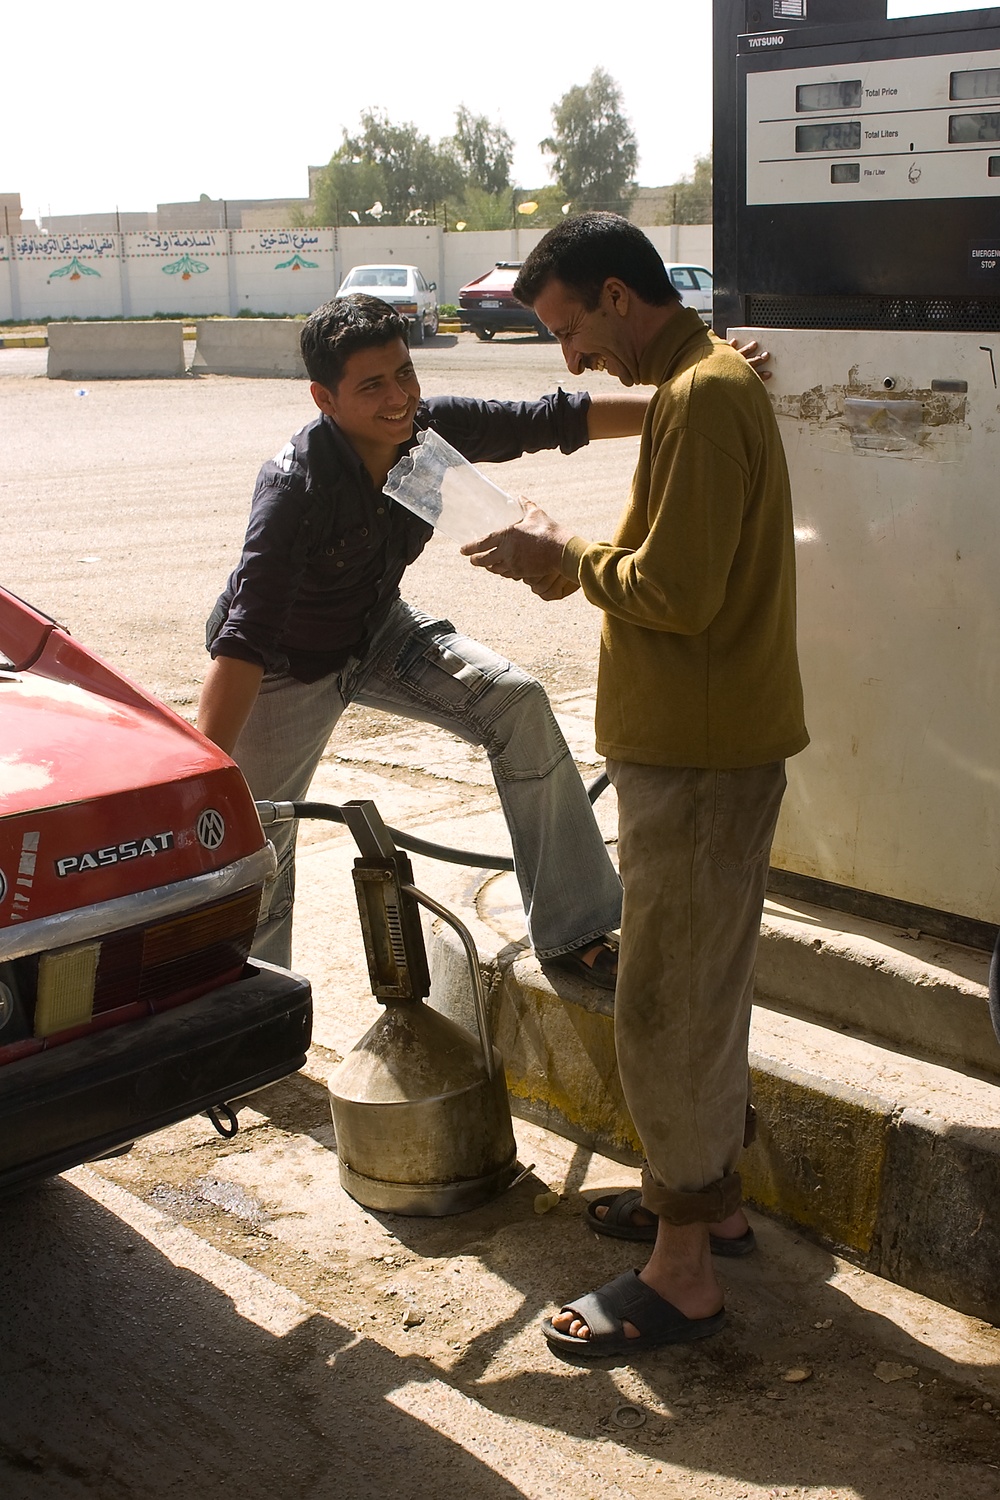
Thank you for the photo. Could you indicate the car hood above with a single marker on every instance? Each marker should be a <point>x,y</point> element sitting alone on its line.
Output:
<point>493,284</point>
<point>103,790</point>
<point>61,743</point>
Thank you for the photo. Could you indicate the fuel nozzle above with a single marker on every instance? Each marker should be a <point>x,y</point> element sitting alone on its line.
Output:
<point>390,914</point>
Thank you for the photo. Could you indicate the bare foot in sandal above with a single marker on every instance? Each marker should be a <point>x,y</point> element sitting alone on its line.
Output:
<point>687,1300</point>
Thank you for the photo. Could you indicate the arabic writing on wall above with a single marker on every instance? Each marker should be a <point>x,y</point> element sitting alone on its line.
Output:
<point>167,240</point>
<point>55,246</point>
<point>297,239</point>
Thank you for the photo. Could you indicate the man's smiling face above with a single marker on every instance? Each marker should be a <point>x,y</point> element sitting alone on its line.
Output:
<point>594,340</point>
<point>376,398</point>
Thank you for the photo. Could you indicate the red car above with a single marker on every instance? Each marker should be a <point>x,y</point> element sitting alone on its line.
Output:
<point>131,867</point>
<point>489,306</point>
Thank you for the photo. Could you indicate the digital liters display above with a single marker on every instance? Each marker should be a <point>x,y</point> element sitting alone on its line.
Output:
<point>969,130</point>
<point>836,135</point>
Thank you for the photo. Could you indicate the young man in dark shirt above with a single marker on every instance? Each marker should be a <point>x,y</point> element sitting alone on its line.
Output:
<point>312,620</point>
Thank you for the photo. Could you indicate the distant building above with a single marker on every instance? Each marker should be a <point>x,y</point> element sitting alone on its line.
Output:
<point>104,223</point>
<point>652,206</point>
<point>229,213</point>
<point>11,221</point>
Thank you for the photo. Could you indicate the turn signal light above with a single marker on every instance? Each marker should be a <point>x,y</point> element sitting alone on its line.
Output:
<point>65,995</point>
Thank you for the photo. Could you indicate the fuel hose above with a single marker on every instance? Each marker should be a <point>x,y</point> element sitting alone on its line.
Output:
<point>329,812</point>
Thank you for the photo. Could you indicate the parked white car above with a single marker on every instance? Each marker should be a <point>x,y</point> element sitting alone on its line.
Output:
<point>695,286</point>
<point>405,289</point>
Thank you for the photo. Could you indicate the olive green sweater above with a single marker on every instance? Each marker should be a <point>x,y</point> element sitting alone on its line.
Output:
<point>698,664</point>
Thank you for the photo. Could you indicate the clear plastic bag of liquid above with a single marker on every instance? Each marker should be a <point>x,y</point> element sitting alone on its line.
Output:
<point>443,488</point>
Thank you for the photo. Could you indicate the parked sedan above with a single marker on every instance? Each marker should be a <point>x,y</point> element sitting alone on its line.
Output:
<point>489,306</point>
<point>132,863</point>
<point>405,289</point>
<point>695,286</point>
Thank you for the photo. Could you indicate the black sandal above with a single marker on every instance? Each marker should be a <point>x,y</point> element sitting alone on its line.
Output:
<point>603,972</point>
<point>617,1223</point>
<point>627,1300</point>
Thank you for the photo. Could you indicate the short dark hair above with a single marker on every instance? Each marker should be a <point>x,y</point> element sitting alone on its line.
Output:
<point>340,328</point>
<point>584,251</point>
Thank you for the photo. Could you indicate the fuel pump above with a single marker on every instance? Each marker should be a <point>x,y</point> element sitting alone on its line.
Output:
<point>857,237</point>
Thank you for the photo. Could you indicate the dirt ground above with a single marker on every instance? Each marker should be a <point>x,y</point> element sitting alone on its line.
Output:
<point>205,1316</point>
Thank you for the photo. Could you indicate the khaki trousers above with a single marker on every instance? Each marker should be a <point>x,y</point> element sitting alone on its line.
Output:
<point>693,855</point>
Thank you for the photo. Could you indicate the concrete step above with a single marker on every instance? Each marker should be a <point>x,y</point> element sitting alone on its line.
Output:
<point>891,1158</point>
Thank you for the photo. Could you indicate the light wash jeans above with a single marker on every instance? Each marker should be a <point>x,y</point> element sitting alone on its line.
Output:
<point>423,669</point>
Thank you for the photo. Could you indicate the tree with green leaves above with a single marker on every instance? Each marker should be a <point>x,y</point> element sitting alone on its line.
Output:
<point>483,151</point>
<point>391,167</point>
<point>593,146</point>
<point>344,186</point>
<point>478,209</point>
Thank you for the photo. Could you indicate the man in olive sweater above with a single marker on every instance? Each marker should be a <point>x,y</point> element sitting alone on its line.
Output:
<point>698,704</point>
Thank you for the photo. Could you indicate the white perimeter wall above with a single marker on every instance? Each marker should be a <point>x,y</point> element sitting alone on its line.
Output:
<point>202,271</point>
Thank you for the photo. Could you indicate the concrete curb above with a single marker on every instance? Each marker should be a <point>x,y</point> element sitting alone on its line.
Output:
<point>928,997</point>
<point>893,1160</point>
<point>40,340</point>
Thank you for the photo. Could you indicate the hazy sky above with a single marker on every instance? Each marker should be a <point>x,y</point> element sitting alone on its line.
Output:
<point>111,103</point>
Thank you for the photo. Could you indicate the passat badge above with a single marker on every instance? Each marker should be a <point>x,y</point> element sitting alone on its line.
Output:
<point>210,828</point>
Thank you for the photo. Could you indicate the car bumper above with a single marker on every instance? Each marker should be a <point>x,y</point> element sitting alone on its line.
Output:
<point>87,1098</point>
<point>509,319</point>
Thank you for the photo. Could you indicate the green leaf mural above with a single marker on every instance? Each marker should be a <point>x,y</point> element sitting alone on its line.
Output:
<point>296,264</point>
<point>74,271</point>
<point>185,268</point>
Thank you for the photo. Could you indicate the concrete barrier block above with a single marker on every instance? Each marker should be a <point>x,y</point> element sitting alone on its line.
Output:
<point>115,351</point>
<point>249,346</point>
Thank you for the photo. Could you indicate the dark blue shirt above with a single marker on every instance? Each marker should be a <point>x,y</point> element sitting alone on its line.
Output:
<point>325,550</point>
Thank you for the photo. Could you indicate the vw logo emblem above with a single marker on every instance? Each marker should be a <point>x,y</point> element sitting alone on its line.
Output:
<point>211,828</point>
<point>3,885</point>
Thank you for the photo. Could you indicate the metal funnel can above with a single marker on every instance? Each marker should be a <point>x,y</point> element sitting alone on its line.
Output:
<point>422,1122</point>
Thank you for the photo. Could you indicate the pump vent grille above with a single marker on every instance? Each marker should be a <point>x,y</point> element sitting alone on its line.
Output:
<point>931,314</point>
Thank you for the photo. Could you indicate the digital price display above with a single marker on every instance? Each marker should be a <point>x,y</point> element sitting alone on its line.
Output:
<point>843,94</point>
<point>976,83</point>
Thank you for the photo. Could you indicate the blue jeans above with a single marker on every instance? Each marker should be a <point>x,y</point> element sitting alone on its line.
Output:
<point>422,669</point>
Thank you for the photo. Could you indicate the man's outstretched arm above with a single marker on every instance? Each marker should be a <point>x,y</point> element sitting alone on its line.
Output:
<point>615,416</point>
<point>229,693</point>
